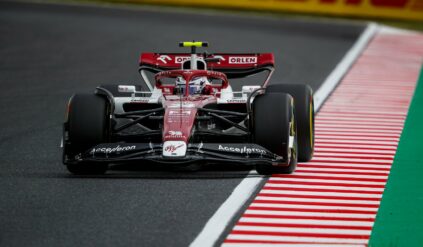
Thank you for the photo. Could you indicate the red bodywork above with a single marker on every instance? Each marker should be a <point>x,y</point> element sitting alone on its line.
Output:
<point>180,115</point>
<point>181,110</point>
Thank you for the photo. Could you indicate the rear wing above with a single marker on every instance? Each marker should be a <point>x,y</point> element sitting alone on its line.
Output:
<point>233,65</point>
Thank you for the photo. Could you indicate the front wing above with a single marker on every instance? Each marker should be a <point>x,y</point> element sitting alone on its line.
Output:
<point>233,153</point>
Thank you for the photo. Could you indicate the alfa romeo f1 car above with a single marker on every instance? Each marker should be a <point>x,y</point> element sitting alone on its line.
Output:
<point>187,112</point>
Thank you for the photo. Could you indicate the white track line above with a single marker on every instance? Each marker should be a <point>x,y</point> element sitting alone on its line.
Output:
<point>221,218</point>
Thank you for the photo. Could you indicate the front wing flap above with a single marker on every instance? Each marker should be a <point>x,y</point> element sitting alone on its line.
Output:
<point>237,153</point>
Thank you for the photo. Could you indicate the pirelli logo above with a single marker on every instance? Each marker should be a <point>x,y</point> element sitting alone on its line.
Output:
<point>242,60</point>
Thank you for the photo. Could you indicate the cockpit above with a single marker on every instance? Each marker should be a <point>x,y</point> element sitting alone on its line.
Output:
<point>191,82</point>
<point>197,85</point>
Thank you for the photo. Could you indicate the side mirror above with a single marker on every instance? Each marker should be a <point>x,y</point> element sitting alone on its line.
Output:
<point>126,89</point>
<point>247,90</point>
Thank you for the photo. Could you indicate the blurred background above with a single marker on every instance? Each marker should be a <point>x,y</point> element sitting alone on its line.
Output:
<point>400,13</point>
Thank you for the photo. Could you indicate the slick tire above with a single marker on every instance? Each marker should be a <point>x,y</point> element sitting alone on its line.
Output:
<point>89,125</point>
<point>273,125</point>
<point>304,115</point>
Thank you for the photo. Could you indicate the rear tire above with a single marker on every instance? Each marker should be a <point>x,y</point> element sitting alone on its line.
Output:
<point>274,124</point>
<point>89,125</point>
<point>304,115</point>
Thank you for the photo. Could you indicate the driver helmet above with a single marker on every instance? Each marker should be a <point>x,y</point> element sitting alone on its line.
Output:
<point>196,85</point>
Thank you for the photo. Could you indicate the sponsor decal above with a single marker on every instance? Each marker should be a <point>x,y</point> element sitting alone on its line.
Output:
<point>140,100</point>
<point>181,59</point>
<point>174,134</point>
<point>179,113</point>
<point>213,73</point>
<point>242,60</point>
<point>174,149</point>
<point>164,59</point>
<point>221,58</point>
<point>236,101</point>
<point>164,73</point>
<point>182,104</point>
<point>109,150</point>
<point>242,150</point>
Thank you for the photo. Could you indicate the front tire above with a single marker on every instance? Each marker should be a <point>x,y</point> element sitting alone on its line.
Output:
<point>273,126</point>
<point>304,115</point>
<point>88,125</point>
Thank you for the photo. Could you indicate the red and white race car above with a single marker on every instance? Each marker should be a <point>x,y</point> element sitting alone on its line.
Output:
<point>187,112</point>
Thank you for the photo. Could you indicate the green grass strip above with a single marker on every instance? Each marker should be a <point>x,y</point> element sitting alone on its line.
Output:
<point>399,221</point>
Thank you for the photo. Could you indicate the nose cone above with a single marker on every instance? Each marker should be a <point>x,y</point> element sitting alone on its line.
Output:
<point>178,123</point>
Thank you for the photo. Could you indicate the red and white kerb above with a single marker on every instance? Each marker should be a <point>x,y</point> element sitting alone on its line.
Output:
<point>334,198</point>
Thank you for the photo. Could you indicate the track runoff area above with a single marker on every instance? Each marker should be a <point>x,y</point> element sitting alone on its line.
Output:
<point>333,199</point>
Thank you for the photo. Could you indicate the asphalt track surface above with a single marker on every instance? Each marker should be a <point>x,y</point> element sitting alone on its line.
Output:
<point>48,52</point>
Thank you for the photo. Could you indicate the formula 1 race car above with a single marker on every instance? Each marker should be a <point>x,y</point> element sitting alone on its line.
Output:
<point>191,114</point>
